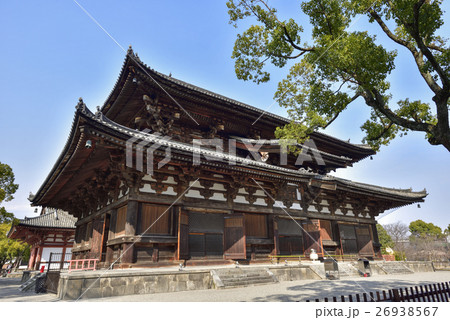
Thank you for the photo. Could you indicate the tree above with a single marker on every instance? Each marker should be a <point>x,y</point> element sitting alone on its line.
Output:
<point>385,239</point>
<point>340,66</point>
<point>11,250</point>
<point>398,232</point>
<point>447,231</point>
<point>421,229</point>
<point>7,189</point>
<point>426,238</point>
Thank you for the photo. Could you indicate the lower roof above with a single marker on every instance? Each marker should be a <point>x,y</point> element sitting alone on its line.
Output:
<point>120,134</point>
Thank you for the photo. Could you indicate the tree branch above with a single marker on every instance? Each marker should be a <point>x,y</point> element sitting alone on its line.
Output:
<point>389,33</point>
<point>435,47</point>
<point>386,129</point>
<point>424,49</point>
<point>417,55</point>
<point>375,100</point>
<point>292,43</point>
<point>338,113</point>
<point>326,18</point>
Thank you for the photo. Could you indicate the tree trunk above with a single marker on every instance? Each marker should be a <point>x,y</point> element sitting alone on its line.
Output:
<point>442,130</point>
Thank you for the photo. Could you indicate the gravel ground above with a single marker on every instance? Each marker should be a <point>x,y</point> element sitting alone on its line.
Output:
<point>283,291</point>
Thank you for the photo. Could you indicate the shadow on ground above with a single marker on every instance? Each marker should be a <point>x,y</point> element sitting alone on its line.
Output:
<point>335,288</point>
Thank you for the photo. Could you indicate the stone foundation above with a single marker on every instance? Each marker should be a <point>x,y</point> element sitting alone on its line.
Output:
<point>119,283</point>
<point>99,284</point>
<point>293,273</point>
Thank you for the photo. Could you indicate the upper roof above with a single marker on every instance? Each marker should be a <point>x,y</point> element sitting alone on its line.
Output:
<point>132,65</point>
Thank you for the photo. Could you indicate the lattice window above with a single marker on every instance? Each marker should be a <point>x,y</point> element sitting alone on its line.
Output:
<point>289,227</point>
<point>348,238</point>
<point>205,223</point>
<point>205,234</point>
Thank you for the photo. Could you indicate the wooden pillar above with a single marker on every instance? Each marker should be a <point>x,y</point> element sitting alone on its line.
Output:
<point>276,242</point>
<point>63,255</point>
<point>131,221</point>
<point>109,255</point>
<point>377,250</point>
<point>127,253</point>
<point>111,235</point>
<point>38,258</point>
<point>130,230</point>
<point>32,258</point>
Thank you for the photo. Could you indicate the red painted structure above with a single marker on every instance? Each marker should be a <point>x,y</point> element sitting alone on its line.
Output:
<point>51,229</point>
<point>82,264</point>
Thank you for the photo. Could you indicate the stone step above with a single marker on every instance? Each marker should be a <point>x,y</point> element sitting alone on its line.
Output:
<point>347,270</point>
<point>29,284</point>
<point>318,269</point>
<point>395,268</point>
<point>241,277</point>
<point>256,278</point>
<point>239,271</point>
<point>247,281</point>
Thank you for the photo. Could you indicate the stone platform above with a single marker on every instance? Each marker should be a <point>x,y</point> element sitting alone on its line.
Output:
<point>109,283</point>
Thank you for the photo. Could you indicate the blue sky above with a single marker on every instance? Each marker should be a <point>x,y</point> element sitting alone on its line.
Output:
<point>53,53</point>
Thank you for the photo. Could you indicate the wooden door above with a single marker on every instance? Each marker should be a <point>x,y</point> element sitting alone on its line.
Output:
<point>347,235</point>
<point>96,242</point>
<point>183,235</point>
<point>365,245</point>
<point>311,238</point>
<point>234,238</point>
<point>105,235</point>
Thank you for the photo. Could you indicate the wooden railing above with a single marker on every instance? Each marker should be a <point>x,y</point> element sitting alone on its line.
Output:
<point>82,264</point>
<point>436,292</point>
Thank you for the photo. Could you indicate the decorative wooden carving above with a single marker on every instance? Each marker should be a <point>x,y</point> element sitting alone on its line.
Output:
<point>131,178</point>
<point>216,126</point>
<point>206,192</point>
<point>308,194</point>
<point>255,134</point>
<point>338,202</point>
<point>157,120</point>
<point>159,186</point>
<point>250,197</point>
<point>232,190</point>
<point>186,174</point>
<point>359,206</point>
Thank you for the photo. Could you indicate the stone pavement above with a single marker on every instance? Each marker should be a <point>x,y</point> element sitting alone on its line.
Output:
<point>294,290</point>
<point>9,292</point>
<point>283,291</point>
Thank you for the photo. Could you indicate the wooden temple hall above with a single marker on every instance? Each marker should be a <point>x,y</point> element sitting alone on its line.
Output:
<point>246,205</point>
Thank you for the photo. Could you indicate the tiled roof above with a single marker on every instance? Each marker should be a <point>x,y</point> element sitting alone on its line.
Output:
<point>132,56</point>
<point>55,219</point>
<point>240,161</point>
